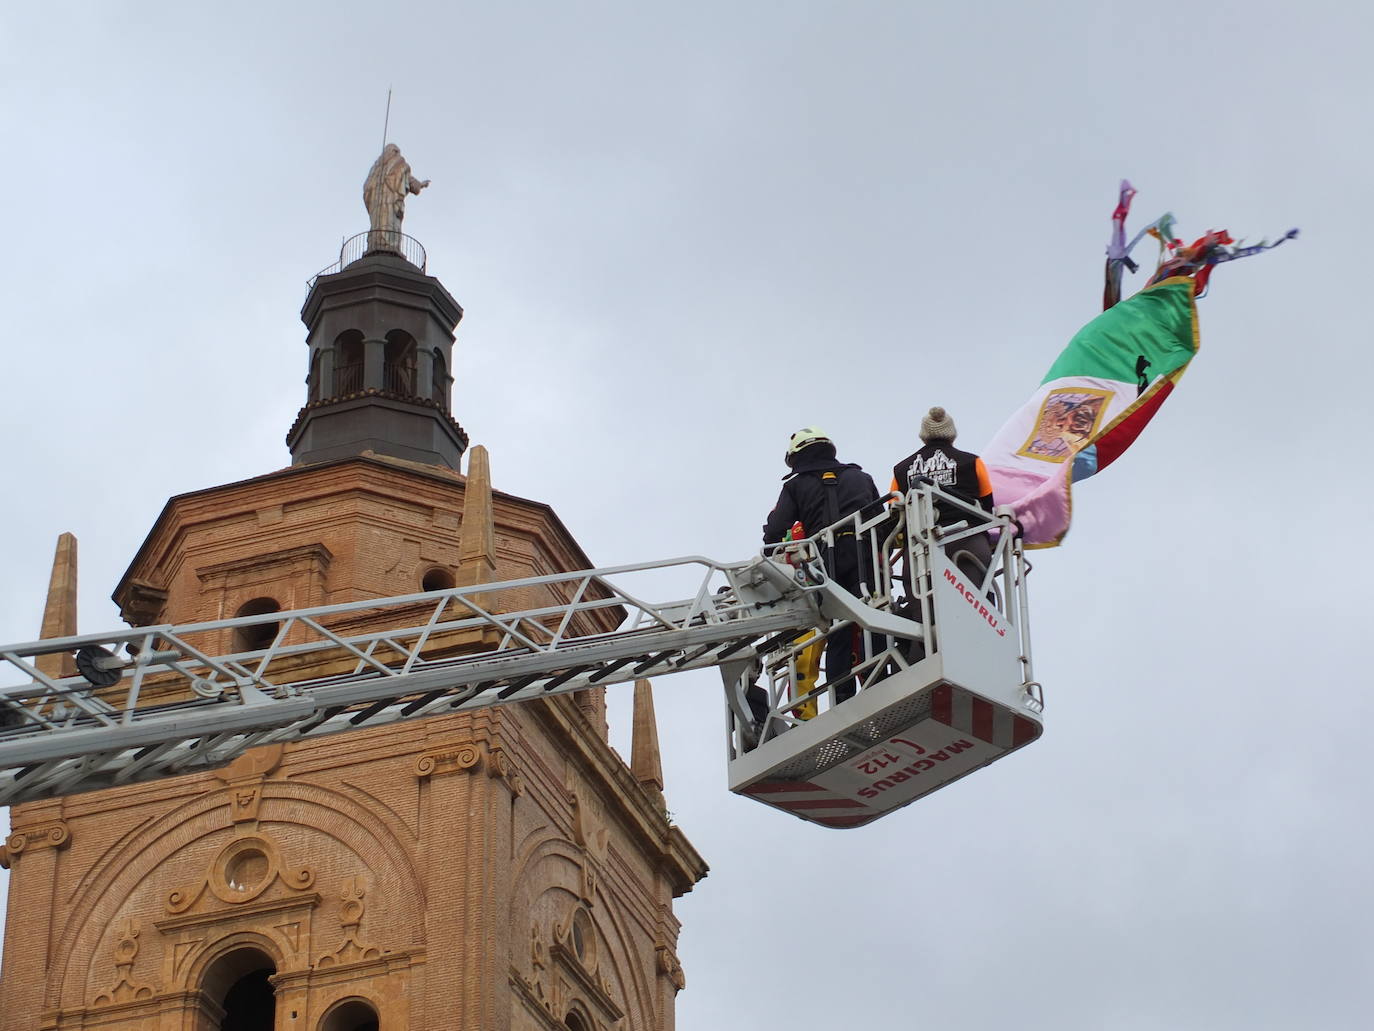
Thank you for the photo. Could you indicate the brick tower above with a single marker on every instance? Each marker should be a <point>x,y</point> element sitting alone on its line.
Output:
<point>497,870</point>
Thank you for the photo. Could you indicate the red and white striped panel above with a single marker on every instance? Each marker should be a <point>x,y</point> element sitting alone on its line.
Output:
<point>957,708</point>
<point>811,802</point>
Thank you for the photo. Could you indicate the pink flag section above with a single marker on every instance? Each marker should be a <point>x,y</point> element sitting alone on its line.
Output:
<point>1044,504</point>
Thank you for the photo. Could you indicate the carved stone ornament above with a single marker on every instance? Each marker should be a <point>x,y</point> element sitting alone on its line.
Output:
<point>243,870</point>
<point>669,967</point>
<point>589,825</point>
<point>244,778</point>
<point>125,952</point>
<point>588,883</point>
<point>503,769</point>
<point>43,835</point>
<point>461,758</point>
<point>537,951</point>
<point>352,950</point>
<point>469,757</point>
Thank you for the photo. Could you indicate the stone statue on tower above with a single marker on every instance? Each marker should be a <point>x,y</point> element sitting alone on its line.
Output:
<point>384,195</point>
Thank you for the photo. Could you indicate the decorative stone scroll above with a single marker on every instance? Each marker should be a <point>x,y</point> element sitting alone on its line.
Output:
<point>243,870</point>
<point>470,757</point>
<point>503,769</point>
<point>43,835</point>
<point>125,952</point>
<point>459,759</point>
<point>350,918</point>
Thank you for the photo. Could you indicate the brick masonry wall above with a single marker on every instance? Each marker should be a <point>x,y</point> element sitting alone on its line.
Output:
<point>499,869</point>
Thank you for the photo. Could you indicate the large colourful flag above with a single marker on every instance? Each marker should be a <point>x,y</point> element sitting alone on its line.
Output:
<point>1092,404</point>
<point>1111,379</point>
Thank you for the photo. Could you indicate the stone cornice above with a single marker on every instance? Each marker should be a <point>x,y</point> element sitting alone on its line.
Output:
<point>536,1003</point>
<point>302,900</point>
<point>431,486</point>
<point>373,395</point>
<point>359,280</point>
<point>316,554</point>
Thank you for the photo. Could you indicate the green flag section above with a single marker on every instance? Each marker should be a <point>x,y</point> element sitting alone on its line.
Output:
<point>1158,324</point>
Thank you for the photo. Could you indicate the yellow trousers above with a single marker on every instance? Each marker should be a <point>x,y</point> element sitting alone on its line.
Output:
<point>808,664</point>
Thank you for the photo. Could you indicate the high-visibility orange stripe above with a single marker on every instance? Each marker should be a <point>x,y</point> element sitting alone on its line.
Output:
<point>984,484</point>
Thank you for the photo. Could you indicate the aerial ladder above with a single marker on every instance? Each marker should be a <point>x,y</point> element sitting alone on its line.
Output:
<point>943,673</point>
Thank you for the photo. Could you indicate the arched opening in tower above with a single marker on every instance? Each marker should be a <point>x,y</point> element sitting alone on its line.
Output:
<point>348,362</point>
<point>259,635</point>
<point>353,1015</point>
<point>439,387</point>
<point>400,363</point>
<point>437,579</point>
<point>239,983</point>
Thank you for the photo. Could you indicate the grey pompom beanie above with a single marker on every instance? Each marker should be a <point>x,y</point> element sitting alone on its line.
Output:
<point>937,425</point>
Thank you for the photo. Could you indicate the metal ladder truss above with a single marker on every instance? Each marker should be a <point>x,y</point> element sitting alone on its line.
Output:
<point>157,701</point>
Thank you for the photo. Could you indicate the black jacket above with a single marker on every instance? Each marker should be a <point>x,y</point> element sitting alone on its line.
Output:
<point>804,495</point>
<point>961,473</point>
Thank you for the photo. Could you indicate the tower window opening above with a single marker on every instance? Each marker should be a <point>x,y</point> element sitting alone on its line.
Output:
<point>315,389</point>
<point>353,1015</point>
<point>574,1022</point>
<point>439,388</point>
<point>240,983</point>
<point>400,362</point>
<point>348,362</point>
<point>256,636</point>
<point>436,579</point>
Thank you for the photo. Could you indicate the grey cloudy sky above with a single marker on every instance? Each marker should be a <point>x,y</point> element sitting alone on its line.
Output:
<point>681,232</point>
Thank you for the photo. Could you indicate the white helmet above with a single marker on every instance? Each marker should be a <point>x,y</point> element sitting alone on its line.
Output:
<point>804,438</point>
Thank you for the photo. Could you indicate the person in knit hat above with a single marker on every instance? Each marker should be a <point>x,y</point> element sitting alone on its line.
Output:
<point>956,472</point>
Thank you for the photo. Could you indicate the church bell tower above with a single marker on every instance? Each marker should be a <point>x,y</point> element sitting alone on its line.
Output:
<point>381,346</point>
<point>493,870</point>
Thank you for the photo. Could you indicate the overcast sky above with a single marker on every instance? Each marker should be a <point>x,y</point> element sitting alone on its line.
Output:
<point>682,232</point>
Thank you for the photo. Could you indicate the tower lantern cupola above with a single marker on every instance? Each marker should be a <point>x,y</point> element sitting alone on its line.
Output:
<point>380,333</point>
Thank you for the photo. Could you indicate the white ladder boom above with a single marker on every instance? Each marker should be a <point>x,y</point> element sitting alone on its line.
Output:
<point>169,704</point>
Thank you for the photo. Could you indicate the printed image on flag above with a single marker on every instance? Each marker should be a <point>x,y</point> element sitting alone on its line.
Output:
<point>1067,421</point>
<point>1092,404</point>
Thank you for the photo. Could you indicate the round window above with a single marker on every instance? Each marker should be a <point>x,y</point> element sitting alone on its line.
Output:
<point>246,870</point>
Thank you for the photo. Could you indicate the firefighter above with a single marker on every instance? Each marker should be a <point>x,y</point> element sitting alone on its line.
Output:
<point>956,472</point>
<point>819,491</point>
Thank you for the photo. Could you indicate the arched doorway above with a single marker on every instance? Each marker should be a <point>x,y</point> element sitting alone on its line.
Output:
<point>238,982</point>
<point>353,1015</point>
